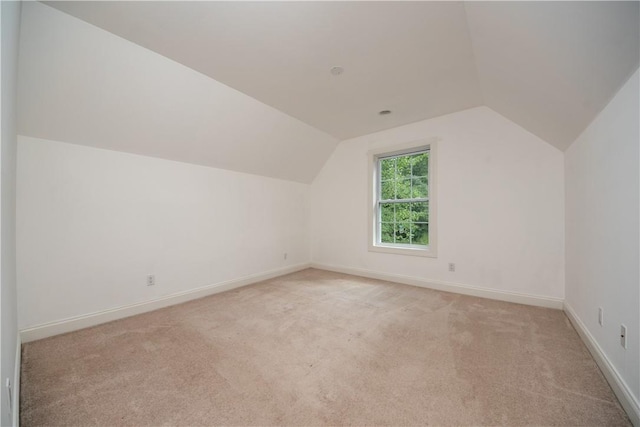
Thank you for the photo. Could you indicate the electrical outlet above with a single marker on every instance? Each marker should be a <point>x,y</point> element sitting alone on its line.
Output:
<point>151,280</point>
<point>452,267</point>
<point>623,336</point>
<point>9,395</point>
<point>285,255</point>
<point>600,316</point>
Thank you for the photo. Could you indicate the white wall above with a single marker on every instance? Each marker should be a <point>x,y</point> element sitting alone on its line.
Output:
<point>10,12</point>
<point>500,206</point>
<point>602,230</point>
<point>93,223</point>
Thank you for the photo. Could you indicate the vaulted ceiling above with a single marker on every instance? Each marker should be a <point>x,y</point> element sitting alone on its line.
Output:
<point>548,66</point>
<point>247,86</point>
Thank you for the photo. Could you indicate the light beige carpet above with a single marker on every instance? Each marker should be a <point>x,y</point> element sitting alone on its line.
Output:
<point>319,348</point>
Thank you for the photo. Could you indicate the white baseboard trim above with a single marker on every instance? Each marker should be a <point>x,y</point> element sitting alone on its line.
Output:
<point>628,401</point>
<point>15,410</point>
<point>92,319</point>
<point>457,288</point>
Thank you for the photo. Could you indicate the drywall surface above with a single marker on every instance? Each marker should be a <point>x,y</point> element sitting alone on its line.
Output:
<point>92,224</point>
<point>602,230</point>
<point>10,12</point>
<point>84,85</point>
<point>500,206</point>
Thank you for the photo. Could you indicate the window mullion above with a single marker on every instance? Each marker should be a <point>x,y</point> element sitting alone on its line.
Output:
<point>392,201</point>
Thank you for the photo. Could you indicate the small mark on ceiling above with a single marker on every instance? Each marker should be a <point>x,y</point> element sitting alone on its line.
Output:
<point>337,70</point>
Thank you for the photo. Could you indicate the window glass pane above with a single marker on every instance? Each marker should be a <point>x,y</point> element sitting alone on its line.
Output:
<point>420,164</point>
<point>387,190</point>
<point>386,232</point>
<point>419,188</point>
<point>386,212</point>
<point>387,169</point>
<point>420,212</point>
<point>403,189</point>
<point>403,167</point>
<point>403,232</point>
<point>420,233</point>
<point>403,212</point>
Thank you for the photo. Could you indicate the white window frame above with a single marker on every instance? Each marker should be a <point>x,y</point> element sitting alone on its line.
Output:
<point>374,190</point>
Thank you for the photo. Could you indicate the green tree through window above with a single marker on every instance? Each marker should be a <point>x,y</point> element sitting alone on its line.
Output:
<point>403,199</point>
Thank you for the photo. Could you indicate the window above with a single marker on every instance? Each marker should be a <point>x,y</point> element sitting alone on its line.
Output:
<point>402,215</point>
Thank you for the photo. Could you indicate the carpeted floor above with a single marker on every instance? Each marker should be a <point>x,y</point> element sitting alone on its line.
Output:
<point>320,348</point>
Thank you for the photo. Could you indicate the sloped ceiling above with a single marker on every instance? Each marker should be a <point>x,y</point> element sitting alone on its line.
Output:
<point>551,67</point>
<point>83,85</point>
<point>414,58</point>
<point>548,66</point>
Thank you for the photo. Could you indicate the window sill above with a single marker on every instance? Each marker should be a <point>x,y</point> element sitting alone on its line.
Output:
<point>427,252</point>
